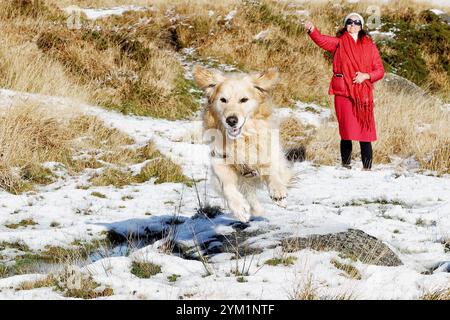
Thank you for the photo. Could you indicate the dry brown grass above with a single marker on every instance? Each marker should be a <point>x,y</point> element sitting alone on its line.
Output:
<point>306,289</point>
<point>23,67</point>
<point>130,65</point>
<point>159,167</point>
<point>30,135</point>
<point>112,3</point>
<point>437,294</point>
<point>294,134</point>
<point>85,287</point>
<point>125,63</point>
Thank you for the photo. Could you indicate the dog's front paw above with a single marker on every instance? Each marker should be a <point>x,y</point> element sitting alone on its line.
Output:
<point>278,195</point>
<point>240,210</point>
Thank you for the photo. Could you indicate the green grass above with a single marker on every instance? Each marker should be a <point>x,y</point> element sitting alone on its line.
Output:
<point>423,32</point>
<point>98,195</point>
<point>284,261</point>
<point>111,176</point>
<point>144,270</point>
<point>30,175</point>
<point>86,288</point>
<point>18,245</point>
<point>173,277</point>
<point>30,261</point>
<point>22,223</point>
<point>164,170</point>
<point>4,271</point>
<point>420,222</point>
<point>159,167</point>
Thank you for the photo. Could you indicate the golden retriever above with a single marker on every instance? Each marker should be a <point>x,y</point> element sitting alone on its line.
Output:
<point>244,139</point>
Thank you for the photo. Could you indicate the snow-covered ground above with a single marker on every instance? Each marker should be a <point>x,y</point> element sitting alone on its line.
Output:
<point>408,211</point>
<point>386,203</point>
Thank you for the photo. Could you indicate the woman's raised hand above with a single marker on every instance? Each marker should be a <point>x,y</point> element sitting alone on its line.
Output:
<point>309,26</point>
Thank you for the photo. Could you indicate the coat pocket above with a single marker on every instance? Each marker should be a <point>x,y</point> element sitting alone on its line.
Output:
<point>338,84</point>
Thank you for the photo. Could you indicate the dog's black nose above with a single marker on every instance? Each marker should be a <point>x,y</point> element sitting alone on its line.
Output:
<point>232,121</point>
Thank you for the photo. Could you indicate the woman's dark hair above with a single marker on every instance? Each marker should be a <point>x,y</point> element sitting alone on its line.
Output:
<point>361,33</point>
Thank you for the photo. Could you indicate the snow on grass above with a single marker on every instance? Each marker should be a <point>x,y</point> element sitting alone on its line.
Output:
<point>437,11</point>
<point>379,35</point>
<point>407,210</point>
<point>308,113</point>
<point>93,14</point>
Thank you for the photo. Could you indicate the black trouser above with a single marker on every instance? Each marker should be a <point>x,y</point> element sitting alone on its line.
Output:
<point>366,153</point>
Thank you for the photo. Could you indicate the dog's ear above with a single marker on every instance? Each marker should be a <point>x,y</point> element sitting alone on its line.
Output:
<point>266,80</point>
<point>207,79</point>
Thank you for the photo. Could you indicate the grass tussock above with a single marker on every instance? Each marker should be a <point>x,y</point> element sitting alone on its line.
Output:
<point>71,284</point>
<point>165,170</point>
<point>284,261</point>
<point>349,270</point>
<point>158,166</point>
<point>294,134</point>
<point>306,289</point>
<point>22,223</point>
<point>31,135</point>
<point>29,138</point>
<point>28,261</point>
<point>438,294</point>
<point>144,270</point>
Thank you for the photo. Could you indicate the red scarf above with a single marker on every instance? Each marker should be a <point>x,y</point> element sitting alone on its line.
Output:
<point>357,56</point>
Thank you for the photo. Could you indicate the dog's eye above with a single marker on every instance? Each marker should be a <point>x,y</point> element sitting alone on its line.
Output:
<point>223,100</point>
<point>243,100</point>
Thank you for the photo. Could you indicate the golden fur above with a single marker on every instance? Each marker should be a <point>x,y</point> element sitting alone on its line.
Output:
<point>245,150</point>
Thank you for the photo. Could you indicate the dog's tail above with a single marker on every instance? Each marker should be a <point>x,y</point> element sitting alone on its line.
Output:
<point>297,154</point>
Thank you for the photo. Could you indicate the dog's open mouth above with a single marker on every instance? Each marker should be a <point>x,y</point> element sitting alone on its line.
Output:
<point>234,132</point>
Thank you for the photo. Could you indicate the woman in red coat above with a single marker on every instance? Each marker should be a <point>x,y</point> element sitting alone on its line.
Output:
<point>356,66</point>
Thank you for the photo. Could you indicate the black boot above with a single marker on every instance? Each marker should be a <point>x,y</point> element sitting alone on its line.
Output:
<point>346,153</point>
<point>366,155</point>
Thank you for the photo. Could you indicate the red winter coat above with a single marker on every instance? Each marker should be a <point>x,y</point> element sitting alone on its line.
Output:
<point>349,127</point>
<point>337,86</point>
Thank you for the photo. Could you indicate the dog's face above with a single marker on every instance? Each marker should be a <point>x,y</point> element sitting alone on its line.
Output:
<point>234,98</point>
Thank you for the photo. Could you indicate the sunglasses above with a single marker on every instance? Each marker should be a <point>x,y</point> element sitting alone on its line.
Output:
<point>350,21</point>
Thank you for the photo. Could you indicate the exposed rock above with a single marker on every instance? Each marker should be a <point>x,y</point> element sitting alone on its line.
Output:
<point>352,243</point>
<point>399,83</point>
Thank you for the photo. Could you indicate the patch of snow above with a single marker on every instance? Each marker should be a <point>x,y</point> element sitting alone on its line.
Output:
<point>383,202</point>
<point>230,15</point>
<point>437,11</point>
<point>93,14</point>
<point>382,35</point>
<point>262,35</point>
<point>308,113</point>
<point>302,13</point>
